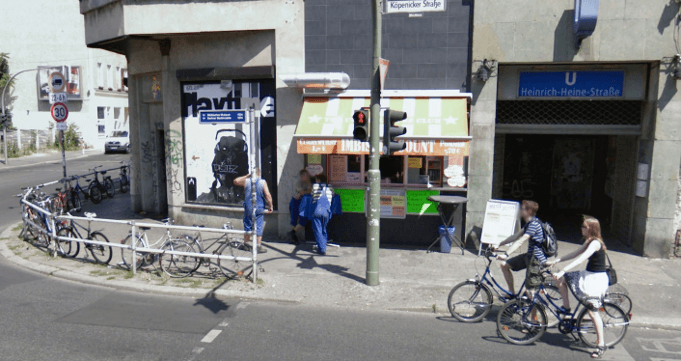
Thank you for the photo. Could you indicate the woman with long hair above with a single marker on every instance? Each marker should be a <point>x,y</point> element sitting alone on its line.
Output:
<point>591,284</point>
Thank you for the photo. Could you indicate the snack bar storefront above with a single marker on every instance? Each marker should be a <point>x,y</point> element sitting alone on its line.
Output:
<point>435,161</point>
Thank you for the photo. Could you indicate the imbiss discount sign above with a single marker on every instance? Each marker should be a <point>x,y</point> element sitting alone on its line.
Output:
<point>414,6</point>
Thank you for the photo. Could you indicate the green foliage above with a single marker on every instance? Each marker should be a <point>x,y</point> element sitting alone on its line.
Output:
<point>71,138</point>
<point>4,72</point>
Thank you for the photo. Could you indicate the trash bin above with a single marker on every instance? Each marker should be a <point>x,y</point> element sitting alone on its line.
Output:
<point>446,241</point>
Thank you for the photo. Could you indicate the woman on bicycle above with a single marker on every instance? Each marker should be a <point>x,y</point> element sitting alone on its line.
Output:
<point>590,285</point>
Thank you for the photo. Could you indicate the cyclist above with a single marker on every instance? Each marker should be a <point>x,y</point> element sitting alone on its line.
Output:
<point>591,284</point>
<point>535,256</point>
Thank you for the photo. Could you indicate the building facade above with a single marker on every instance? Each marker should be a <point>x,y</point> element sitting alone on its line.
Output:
<point>97,97</point>
<point>584,127</point>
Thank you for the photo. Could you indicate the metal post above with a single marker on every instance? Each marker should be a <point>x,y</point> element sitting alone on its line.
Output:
<point>252,155</point>
<point>2,107</point>
<point>53,225</point>
<point>63,157</point>
<point>374,212</point>
<point>133,240</point>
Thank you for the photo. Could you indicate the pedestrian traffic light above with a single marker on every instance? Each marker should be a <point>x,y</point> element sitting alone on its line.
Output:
<point>390,131</point>
<point>361,131</point>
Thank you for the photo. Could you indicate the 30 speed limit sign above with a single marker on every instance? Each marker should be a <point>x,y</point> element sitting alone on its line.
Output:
<point>59,112</point>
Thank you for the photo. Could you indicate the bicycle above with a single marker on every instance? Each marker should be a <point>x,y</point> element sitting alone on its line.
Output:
<point>101,254</point>
<point>76,191</point>
<point>234,268</point>
<point>175,264</point>
<point>96,189</point>
<point>523,321</point>
<point>471,300</point>
<point>124,177</point>
<point>37,224</point>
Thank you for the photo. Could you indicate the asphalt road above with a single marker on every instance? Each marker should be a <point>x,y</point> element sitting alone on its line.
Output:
<point>43,318</point>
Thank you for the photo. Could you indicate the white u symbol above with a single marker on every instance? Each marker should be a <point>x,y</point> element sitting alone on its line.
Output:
<point>574,78</point>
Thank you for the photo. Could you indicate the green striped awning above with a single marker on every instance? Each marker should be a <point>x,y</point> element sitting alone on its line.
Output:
<point>427,118</point>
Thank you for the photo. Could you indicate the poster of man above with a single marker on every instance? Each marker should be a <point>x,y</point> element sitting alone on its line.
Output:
<point>216,151</point>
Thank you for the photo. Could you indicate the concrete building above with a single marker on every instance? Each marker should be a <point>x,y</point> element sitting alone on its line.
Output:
<point>582,128</point>
<point>41,33</point>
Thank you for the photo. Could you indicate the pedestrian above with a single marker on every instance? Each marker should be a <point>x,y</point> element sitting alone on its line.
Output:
<point>262,194</point>
<point>298,222</point>
<point>535,256</point>
<point>591,284</point>
<point>322,196</point>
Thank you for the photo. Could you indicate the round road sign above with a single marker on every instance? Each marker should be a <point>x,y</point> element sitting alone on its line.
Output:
<point>56,82</point>
<point>59,112</point>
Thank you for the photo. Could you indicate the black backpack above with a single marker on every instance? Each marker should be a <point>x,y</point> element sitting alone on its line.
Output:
<point>550,244</point>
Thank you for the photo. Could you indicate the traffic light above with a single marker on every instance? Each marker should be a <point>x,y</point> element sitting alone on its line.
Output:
<point>390,131</point>
<point>6,119</point>
<point>361,131</point>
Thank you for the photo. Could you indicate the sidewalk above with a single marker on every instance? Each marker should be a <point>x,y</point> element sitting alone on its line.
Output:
<point>411,280</point>
<point>43,158</point>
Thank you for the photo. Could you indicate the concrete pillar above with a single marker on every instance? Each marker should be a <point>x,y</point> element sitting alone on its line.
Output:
<point>481,160</point>
<point>134,101</point>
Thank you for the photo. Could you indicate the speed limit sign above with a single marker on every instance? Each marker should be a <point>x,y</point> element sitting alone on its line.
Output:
<point>59,112</point>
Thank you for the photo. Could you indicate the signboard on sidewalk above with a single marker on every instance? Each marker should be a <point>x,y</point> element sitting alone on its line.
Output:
<point>501,218</point>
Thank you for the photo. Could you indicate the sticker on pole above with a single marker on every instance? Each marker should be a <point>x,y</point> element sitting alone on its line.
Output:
<point>56,82</point>
<point>59,112</point>
<point>62,126</point>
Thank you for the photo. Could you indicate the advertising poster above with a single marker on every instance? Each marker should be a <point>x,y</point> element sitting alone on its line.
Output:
<point>501,218</point>
<point>71,75</point>
<point>216,149</point>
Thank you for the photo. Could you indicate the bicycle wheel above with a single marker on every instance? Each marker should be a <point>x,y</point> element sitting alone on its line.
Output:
<point>235,268</point>
<point>621,300</point>
<point>178,266</point>
<point>552,293</point>
<point>126,254</point>
<point>521,322</point>
<point>101,254</point>
<point>95,193</point>
<point>469,301</point>
<point>67,248</point>
<point>109,188</point>
<point>124,184</point>
<point>615,324</point>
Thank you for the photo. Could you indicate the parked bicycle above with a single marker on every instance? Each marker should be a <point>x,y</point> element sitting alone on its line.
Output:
<point>101,254</point>
<point>171,265</point>
<point>471,300</point>
<point>97,189</point>
<point>238,267</point>
<point>523,321</point>
<point>124,176</point>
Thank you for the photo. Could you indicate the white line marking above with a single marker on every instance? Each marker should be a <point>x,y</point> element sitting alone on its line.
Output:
<point>211,336</point>
<point>197,350</point>
<point>223,324</point>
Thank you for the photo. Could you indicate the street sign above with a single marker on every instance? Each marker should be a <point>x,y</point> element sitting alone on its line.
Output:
<point>411,6</point>
<point>222,116</point>
<point>58,97</point>
<point>56,82</point>
<point>59,112</point>
<point>62,126</point>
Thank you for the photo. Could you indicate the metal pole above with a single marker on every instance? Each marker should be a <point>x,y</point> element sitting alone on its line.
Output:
<point>133,241</point>
<point>63,156</point>
<point>2,108</point>
<point>252,159</point>
<point>374,212</point>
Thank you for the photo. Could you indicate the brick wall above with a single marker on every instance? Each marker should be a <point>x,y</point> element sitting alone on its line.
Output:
<point>428,52</point>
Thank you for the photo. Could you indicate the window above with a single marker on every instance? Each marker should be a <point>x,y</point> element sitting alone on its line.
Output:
<point>100,78</point>
<point>124,76</point>
<point>392,169</point>
<point>100,113</point>
<point>117,113</point>
<point>109,78</point>
<point>117,79</point>
<point>101,121</point>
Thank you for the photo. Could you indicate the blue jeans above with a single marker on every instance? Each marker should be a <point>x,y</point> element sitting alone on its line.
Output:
<point>319,227</point>
<point>294,209</point>
<point>259,223</point>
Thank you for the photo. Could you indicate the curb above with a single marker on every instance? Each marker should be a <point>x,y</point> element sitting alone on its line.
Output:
<point>637,321</point>
<point>48,161</point>
<point>120,285</point>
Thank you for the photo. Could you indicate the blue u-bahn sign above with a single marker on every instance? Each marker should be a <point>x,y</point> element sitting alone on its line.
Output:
<point>571,84</point>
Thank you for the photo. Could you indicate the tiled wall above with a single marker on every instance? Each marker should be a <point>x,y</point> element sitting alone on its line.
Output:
<point>428,52</point>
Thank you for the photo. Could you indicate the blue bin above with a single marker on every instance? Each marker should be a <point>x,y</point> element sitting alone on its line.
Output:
<point>446,241</point>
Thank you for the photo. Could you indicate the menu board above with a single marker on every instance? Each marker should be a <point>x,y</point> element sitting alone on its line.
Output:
<point>417,202</point>
<point>393,203</point>
<point>352,200</point>
<point>501,218</point>
<point>338,167</point>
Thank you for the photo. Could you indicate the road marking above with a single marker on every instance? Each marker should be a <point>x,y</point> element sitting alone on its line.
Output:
<point>211,336</point>
<point>659,345</point>
<point>197,350</point>
<point>223,324</point>
<point>663,359</point>
<point>242,305</point>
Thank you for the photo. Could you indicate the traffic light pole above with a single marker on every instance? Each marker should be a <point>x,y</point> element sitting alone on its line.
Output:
<point>374,211</point>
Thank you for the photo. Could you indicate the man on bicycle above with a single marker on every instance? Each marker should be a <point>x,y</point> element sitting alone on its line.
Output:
<point>535,256</point>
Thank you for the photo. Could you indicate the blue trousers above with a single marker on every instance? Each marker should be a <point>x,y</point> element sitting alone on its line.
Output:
<point>319,228</point>
<point>294,209</point>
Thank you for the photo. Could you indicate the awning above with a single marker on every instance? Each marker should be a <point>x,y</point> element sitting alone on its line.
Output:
<point>435,125</point>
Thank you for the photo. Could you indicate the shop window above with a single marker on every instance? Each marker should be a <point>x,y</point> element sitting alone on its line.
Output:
<point>392,170</point>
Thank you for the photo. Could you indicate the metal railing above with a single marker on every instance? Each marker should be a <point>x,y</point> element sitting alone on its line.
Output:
<point>54,219</point>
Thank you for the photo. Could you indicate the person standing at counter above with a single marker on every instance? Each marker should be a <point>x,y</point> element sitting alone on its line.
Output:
<point>262,194</point>
<point>322,195</point>
<point>303,187</point>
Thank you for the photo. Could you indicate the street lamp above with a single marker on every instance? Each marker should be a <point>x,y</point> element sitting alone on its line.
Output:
<point>2,109</point>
